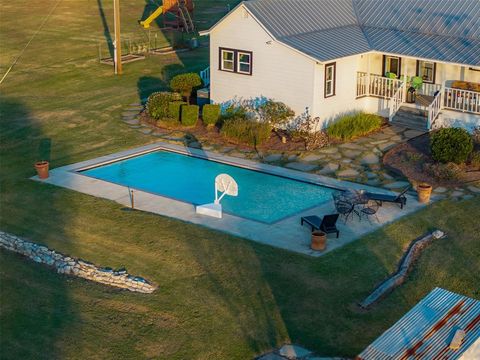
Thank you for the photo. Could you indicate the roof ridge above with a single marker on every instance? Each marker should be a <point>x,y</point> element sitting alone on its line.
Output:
<point>318,30</point>
<point>420,32</point>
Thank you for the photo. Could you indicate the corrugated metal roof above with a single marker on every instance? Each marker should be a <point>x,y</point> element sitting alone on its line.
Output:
<point>442,30</point>
<point>426,330</point>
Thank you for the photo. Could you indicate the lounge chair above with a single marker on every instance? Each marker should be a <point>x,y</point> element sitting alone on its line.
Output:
<point>397,199</point>
<point>327,224</point>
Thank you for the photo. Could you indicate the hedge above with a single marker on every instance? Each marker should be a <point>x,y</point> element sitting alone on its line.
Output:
<point>174,108</point>
<point>210,114</point>
<point>157,104</point>
<point>189,115</point>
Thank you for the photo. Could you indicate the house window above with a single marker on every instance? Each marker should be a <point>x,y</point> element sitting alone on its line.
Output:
<point>244,62</point>
<point>392,64</point>
<point>237,61</point>
<point>227,60</point>
<point>426,70</point>
<point>329,85</point>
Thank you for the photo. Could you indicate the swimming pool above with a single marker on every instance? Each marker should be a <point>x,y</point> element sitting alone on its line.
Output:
<point>262,197</point>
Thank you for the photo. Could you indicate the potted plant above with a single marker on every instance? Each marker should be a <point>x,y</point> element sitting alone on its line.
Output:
<point>319,240</point>
<point>42,169</point>
<point>424,191</point>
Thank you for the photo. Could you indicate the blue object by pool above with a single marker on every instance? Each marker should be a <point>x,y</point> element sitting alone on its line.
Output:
<point>261,197</point>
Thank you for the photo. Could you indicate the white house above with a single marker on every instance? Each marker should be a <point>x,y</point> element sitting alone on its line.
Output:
<point>331,57</point>
<point>443,325</point>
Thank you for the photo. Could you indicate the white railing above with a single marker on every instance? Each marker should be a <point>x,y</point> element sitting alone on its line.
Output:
<point>434,109</point>
<point>461,100</point>
<point>397,99</point>
<point>429,89</point>
<point>376,85</point>
<point>205,76</point>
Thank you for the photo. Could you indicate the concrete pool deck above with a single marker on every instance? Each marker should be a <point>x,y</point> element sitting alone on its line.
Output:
<point>287,234</point>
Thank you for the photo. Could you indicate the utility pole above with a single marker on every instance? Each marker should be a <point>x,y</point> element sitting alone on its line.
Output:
<point>117,44</point>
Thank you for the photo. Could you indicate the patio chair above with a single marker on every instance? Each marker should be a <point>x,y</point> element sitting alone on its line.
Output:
<point>397,199</point>
<point>370,209</point>
<point>327,224</point>
<point>343,206</point>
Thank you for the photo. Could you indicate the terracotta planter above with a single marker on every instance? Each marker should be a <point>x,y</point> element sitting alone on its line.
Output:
<point>42,169</point>
<point>424,191</point>
<point>319,241</point>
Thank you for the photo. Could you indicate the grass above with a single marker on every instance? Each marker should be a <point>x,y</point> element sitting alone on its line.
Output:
<point>351,126</point>
<point>220,297</point>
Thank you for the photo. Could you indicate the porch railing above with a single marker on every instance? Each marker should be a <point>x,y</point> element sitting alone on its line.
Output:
<point>429,89</point>
<point>461,100</point>
<point>434,108</point>
<point>376,85</point>
<point>396,101</point>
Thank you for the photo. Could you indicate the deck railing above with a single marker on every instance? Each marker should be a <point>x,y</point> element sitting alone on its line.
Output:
<point>376,85</point>
<point>434,108</point>
<point>429,89</point>
<point>461,100</point>
<point>397,99</point>
<point>205,76</point>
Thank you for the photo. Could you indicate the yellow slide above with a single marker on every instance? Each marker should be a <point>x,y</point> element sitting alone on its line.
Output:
<point>146,23</point>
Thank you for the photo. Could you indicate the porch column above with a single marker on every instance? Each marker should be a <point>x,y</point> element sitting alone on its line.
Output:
<point>368,74</point>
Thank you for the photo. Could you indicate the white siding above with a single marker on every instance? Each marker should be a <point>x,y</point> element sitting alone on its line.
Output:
<point>473,353</point>
<point>278,71</point>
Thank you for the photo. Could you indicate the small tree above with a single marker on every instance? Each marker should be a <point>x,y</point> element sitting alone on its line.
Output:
<point>275,113</point>
<point>185,83</point>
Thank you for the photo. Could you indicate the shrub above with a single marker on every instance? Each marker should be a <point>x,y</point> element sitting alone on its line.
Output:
<point>210,114</point>
<point>235,111</point>
<point>189,115</point>
<point>246,131</point>
<point>305,128</point>
<point>157,104</point>
<point>174,110</point>
<point>475,159</point>
<point>476,135</point>
<point>276,113</point>
<point>448,171</point>
<point>350,126</point>
<point>185,83</point>
<point>451,145</point>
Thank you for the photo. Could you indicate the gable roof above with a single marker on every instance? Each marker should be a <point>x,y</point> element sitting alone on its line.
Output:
<point>442,30</point>
<point>427,329</point>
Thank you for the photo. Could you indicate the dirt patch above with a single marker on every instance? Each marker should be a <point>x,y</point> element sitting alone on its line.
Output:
<point>409,159</point>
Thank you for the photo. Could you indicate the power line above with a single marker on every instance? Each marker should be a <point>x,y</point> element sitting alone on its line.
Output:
<point>29,41</point>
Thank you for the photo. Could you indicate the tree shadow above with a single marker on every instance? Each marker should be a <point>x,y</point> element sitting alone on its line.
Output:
<point>106,29</point>
<point>36,306</point>
<point>147,85</point>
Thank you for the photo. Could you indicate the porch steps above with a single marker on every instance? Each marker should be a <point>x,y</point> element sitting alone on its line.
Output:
<point>410,118</point>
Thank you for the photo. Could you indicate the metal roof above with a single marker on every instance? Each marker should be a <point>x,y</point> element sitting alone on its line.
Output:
<point>442,30</point>
<point>426,330</point>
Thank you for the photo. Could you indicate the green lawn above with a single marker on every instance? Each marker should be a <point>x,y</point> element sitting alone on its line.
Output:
<point>219,297</point>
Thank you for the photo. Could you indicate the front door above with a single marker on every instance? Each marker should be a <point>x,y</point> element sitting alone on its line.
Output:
<point>391,64</point>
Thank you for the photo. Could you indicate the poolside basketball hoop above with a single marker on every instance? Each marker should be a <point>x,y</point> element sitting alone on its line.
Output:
<point>224,185</point>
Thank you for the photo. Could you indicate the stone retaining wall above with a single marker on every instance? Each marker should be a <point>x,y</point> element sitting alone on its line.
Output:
<point>77,267</point>
<point>404,268</point>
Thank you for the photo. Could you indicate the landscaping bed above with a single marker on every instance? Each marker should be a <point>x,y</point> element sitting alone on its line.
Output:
<point>409,159</point>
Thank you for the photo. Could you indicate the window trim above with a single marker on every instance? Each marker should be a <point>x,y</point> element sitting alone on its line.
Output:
<point>384,68</point>
<point>220,56</point>
<point>250,63</point>
<point>334,80</point>
<point>434,71</point>
<point>236,57</point>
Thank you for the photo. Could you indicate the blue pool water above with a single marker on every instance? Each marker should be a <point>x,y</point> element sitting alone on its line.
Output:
<point>261,197</point>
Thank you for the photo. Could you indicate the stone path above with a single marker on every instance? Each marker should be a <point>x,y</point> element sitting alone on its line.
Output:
<point>358,161</point>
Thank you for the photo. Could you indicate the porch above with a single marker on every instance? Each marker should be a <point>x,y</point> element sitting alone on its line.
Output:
<point>436,86</point>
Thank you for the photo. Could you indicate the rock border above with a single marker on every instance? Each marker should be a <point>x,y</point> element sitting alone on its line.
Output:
<point>76,267</point>
<point>414,250</point>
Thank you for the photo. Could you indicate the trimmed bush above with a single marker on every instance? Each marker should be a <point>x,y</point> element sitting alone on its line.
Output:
<point>189,115</point>
<point>449,171</point>
<point>355,125</point>
<point>210,114</point>
<point>185,83</point>
<point>451,145</point>
<point>174,108</point>
<point>157,104</point>
<point>246,131</point>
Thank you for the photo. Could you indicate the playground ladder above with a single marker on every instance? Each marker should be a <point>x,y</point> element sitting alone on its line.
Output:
<point>185,16</point>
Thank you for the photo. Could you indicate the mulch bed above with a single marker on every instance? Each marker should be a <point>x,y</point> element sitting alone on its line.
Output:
<point>408,159</point>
